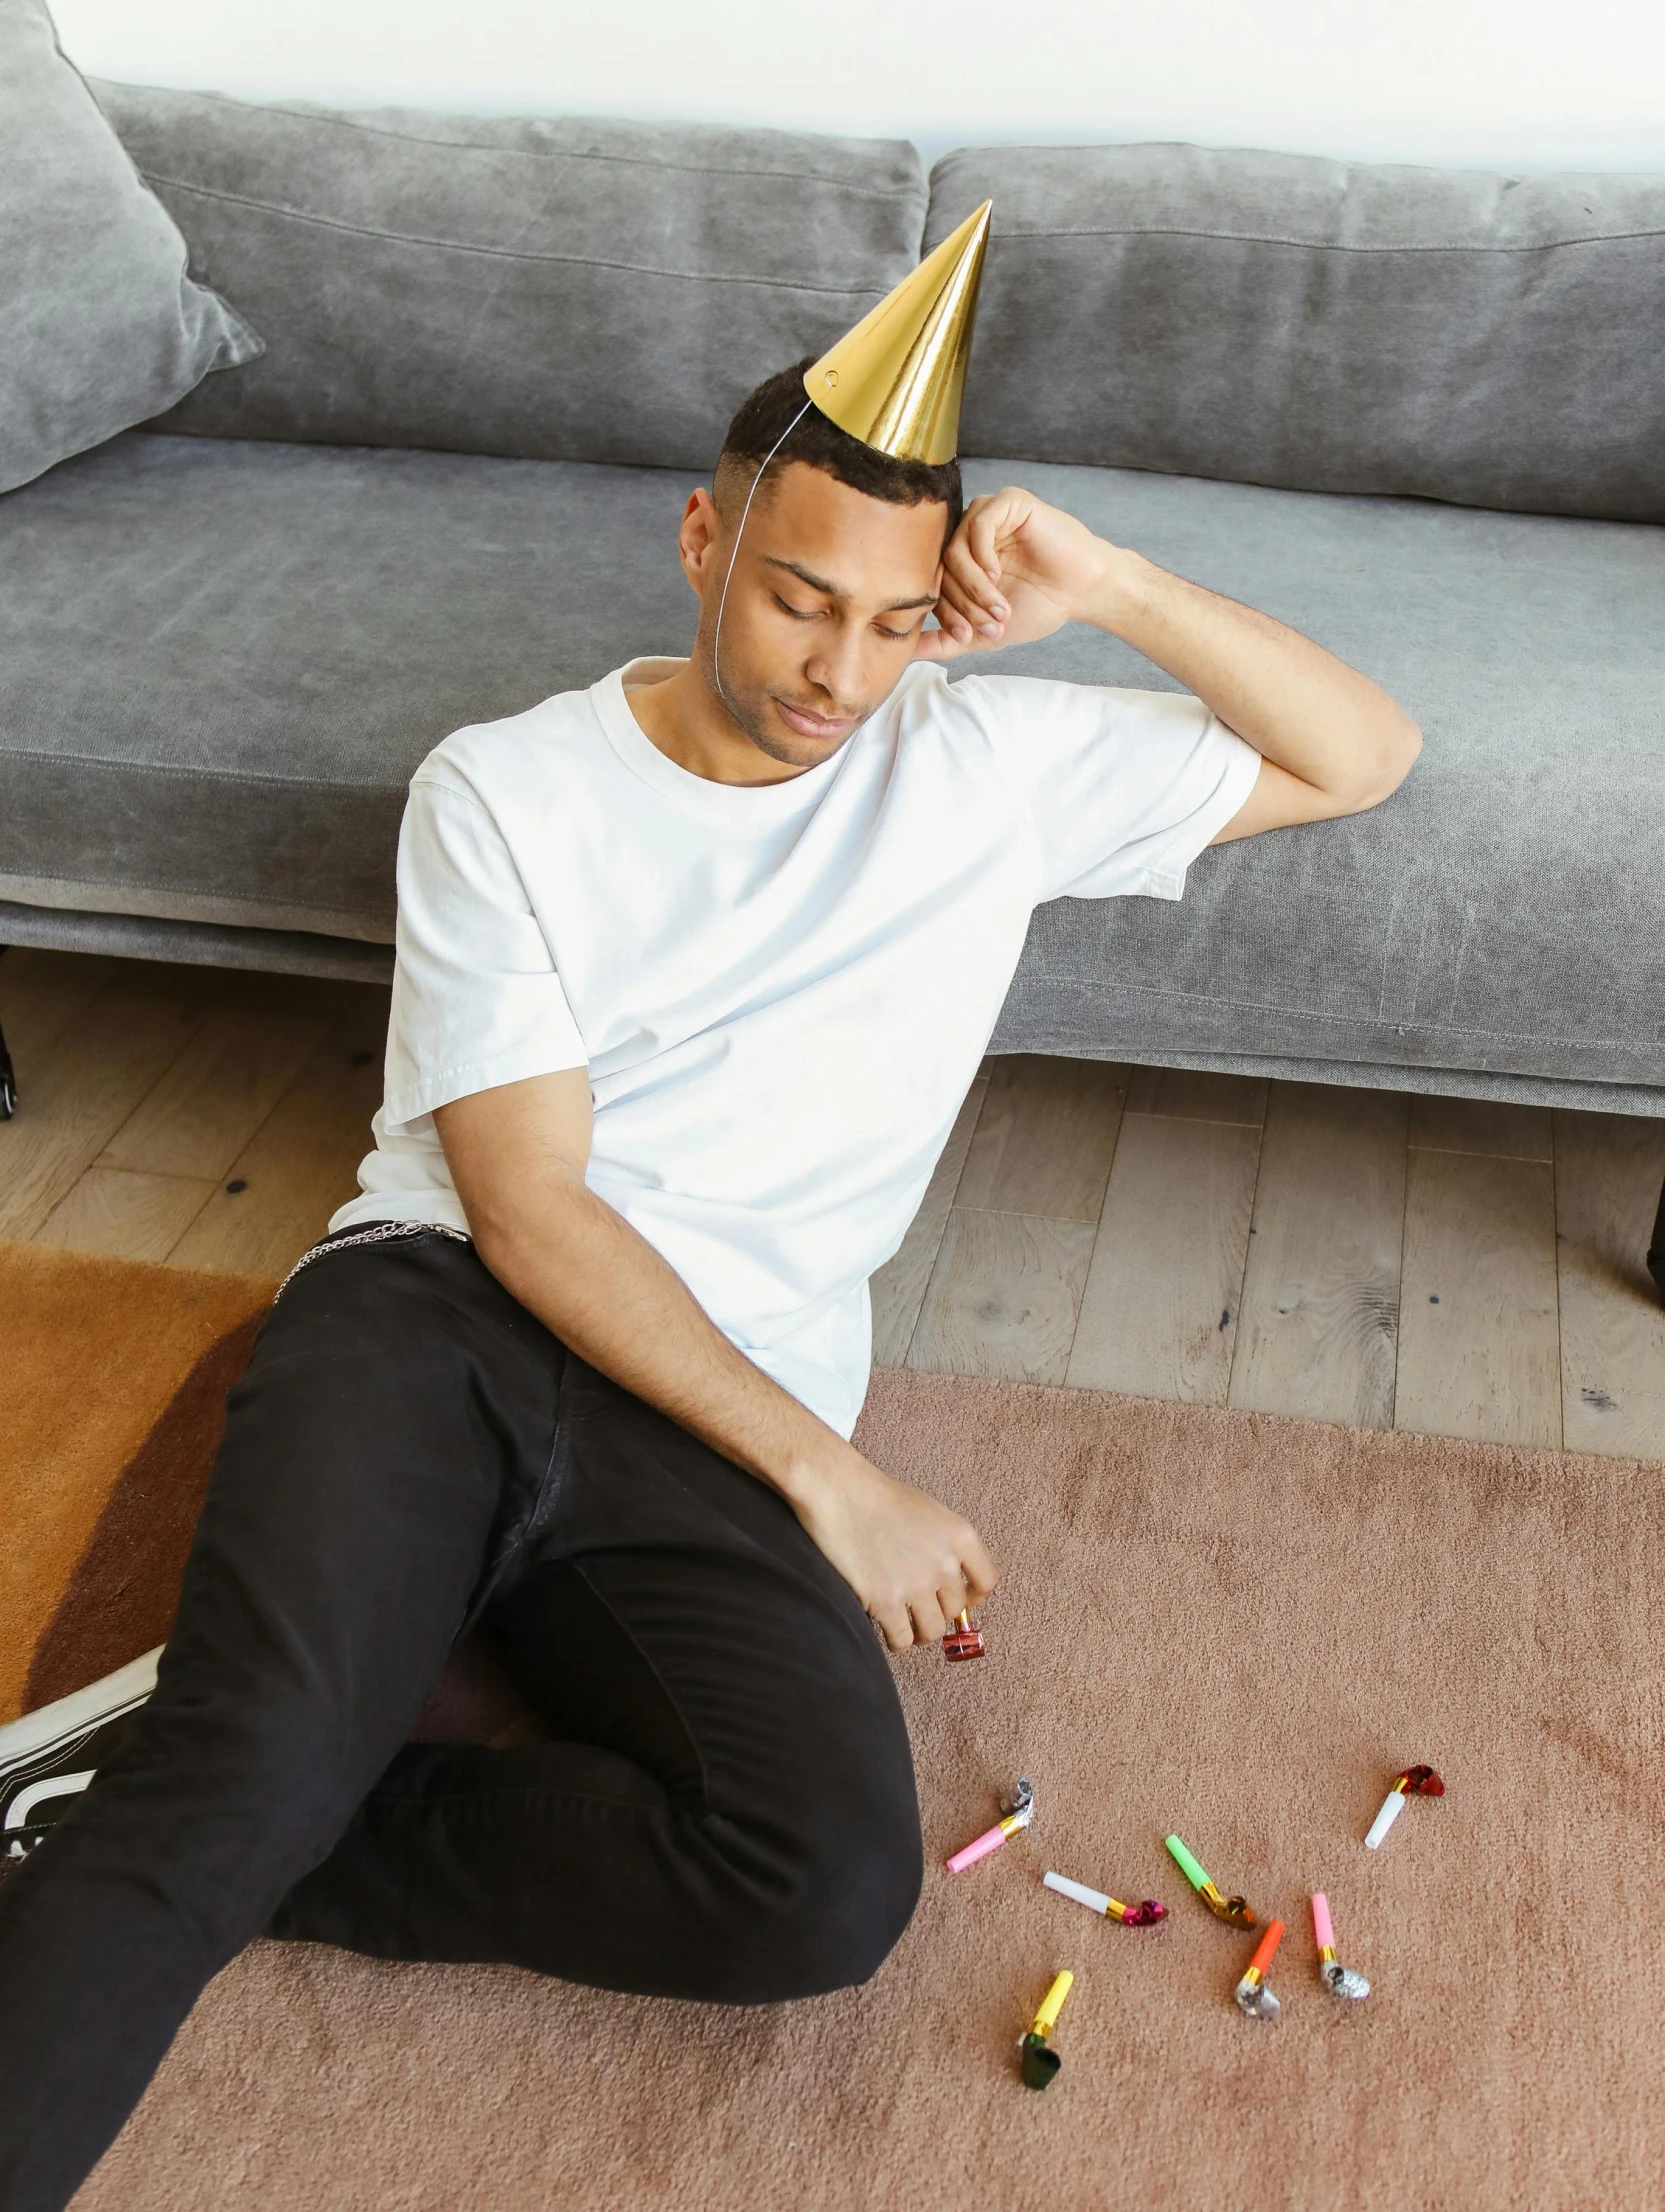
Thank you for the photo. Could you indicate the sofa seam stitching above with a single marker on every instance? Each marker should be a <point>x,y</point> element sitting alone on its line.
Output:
<point>1359,1021</point>
<point>918,190</point>
<point>1318,245</point>
<point>79,761</point>
<point>173,884</point>
<point>503,253</point>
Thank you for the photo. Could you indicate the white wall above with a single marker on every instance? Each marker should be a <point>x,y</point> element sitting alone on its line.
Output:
<point>1516,84</point>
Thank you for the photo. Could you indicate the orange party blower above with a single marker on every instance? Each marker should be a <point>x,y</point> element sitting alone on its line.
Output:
<point>1252,1993</point>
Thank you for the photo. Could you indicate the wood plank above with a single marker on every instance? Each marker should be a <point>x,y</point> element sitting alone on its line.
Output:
<point>1159,1313</point>
<point>1479,1334</point>
<point>330,999</point>
<point>216,1094</point>
<point>35,1015</point>
<point>1045,1138</point>
<point>176,981</point>
<point>75,1092</point>
<point>898,1289</point>
<point>1319,1332</point>
<point>1198,1094</point>
<point>1481,1125</point>
<point>298,1167</point>
<point>1608,1170</point>
<point>1003,1297</point>
<point>44,969</point>
<point>130,1216</point>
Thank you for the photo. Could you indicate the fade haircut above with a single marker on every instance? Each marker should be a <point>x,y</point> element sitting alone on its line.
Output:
<point>764,417</point>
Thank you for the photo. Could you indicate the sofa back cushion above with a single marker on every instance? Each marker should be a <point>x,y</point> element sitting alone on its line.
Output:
<point>1275,319</point>
<point>544,287</point>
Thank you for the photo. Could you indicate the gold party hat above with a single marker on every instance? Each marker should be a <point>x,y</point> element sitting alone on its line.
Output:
<point>895,381</point>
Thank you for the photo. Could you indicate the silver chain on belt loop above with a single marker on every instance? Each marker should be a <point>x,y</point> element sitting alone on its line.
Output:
<point>379,1232</point>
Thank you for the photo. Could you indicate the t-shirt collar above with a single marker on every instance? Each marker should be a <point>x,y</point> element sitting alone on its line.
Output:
<point>739,806</point>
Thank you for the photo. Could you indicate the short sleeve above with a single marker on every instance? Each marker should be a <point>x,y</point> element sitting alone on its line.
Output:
<point>1125,788</point>
<point>477,1000</point>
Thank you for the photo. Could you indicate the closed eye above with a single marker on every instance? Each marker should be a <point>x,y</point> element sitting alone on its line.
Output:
<point>810,614</point>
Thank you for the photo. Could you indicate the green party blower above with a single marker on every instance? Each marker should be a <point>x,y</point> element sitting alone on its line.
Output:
<point>1232,1909</point>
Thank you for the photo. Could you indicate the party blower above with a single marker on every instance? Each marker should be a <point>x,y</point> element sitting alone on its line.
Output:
<point>964,1640</point>
<point>1252,1993</point>
<point>1414,1782</point>
<point>1231,1909</point>
<point>1040,2062</point>
<point>1339,1980</point>
<point>1018,1814</point>
<point>1130,1916</point>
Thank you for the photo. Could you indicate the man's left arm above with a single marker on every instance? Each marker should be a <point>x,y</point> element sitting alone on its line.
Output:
<point>1331,742</point>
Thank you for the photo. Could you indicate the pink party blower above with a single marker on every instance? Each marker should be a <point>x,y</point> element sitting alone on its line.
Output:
<point>1340,1980</point>
<point>1021,1814</point>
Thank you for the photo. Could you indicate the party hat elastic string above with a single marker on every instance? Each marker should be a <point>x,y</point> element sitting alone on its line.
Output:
<point>734,553</point>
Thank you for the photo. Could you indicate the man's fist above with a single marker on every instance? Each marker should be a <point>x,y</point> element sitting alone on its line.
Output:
<point>1015,570</point>
<point>912,1562</point>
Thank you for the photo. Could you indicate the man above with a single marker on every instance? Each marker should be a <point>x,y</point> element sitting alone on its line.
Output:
<point>694,969</point>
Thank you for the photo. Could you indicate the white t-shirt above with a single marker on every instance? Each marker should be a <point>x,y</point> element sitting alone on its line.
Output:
<point>781,991</point>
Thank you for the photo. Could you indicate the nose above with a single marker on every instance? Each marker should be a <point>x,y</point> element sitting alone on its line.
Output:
<point>838,667</point>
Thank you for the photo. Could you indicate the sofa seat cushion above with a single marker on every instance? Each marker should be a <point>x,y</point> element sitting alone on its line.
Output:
<point>220,662</point>
<point>1504,912</point>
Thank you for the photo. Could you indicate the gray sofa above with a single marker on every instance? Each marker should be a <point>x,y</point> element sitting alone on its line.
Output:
<point>1421,416</point>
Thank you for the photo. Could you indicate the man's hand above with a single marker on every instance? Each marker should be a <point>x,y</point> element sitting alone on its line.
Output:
<point>912,1562</point>
<point>517,1155</point>
<point>1015,570</point>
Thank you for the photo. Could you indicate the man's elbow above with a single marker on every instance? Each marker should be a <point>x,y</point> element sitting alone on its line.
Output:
<point>515,1224</point>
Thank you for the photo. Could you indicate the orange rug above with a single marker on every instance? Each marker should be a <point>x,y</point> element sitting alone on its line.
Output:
<point>115,1378</point>
<point>1232,1625</point>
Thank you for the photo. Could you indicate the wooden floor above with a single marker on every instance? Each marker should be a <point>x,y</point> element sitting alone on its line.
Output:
<point>1342,1255</point>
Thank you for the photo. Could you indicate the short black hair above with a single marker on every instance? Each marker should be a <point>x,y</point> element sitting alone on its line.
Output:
<point>764,415</point>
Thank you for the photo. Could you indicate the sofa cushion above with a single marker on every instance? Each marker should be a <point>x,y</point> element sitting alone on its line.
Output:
<point>575,290</point>
<point>1505,910</point>
<point>102,326</point>
<point>1275,319</point>
<point>220,662</point>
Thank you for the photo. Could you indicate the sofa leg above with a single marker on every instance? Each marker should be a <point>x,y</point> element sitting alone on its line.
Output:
<point>8,1082</point>
<point>1656,1248</point>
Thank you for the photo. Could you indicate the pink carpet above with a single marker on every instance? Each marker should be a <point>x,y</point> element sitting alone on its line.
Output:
<point>1232,1625</point>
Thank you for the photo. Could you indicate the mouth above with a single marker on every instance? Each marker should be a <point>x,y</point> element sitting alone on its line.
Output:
<point>822,728</point>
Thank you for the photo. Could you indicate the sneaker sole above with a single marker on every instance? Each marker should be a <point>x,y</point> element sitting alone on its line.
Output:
<point>42,1793</point>
<point>117,1693</point>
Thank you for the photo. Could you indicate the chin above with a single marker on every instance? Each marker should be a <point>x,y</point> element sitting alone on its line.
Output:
<point>793,752</point>
<point>773,735</point>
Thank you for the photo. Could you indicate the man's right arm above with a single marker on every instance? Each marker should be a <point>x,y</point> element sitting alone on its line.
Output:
<point>517,1156</point>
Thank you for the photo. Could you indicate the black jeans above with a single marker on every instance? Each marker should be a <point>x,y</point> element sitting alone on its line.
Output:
<point>727,1809</point>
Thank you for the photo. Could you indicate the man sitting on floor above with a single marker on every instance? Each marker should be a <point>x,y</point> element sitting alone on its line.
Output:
<point>694,970</point>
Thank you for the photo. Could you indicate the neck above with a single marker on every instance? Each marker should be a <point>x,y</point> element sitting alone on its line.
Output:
<point>682,715</point>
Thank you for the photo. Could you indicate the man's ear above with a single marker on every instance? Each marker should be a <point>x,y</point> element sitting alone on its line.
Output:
<point>699,538</point>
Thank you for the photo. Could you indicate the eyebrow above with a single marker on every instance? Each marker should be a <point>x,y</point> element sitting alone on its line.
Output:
<point>820,583</point>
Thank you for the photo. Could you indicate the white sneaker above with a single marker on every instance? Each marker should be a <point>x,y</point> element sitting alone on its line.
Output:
<point>48,1757</point>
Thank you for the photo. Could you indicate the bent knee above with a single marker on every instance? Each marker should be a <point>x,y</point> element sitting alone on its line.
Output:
<point>844,1913</point>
